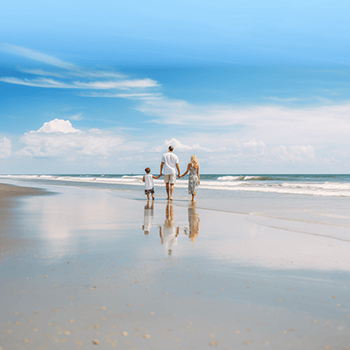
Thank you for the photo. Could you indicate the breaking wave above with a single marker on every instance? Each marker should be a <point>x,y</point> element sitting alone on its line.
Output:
<point>296,186</point>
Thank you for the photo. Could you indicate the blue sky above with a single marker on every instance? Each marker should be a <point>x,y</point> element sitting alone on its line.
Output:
<point>248,86</point>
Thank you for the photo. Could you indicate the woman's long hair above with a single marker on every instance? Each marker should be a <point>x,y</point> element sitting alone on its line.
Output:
<point>194,162</point>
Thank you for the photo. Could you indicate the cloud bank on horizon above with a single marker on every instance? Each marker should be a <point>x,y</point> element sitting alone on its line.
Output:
<point>70,116</point>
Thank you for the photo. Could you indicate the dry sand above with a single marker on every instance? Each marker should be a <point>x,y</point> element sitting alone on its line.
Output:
<point>95,280</point>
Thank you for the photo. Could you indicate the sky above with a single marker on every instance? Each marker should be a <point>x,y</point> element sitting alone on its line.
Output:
<point>250,87</point>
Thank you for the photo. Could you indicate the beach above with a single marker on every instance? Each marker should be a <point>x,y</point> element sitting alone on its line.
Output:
<point>8,195</point>
<point>94,267</point>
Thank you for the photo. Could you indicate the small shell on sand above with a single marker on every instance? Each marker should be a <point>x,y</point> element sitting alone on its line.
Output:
<point>96,342</point>
<point>125,333</point>
<point>146,336</point>
<point>214,343</point>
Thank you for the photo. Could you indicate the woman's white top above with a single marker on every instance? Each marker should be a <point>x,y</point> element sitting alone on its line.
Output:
<point>149,182</point>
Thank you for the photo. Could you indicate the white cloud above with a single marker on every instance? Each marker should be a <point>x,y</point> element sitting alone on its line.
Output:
<point>279,99</point>
<point>121,85</point>
<point>36,56</point>
<point>179,146</point>
<point>254,146</point>
<point>134,96</point>
<point>5,147</point>
<point>97,74</point>
<point>57,125</point>
<point>39,82</point>
<point>270,124</point>
<point>298,153</point>
<point>79,72</point>
<point>58,138</point>
<point>76,117</point>
<point>40,72</point>
<point>95,85</point>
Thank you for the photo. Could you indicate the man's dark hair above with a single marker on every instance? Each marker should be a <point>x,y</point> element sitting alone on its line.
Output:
<point>171,148</point>
<point>147,170</point>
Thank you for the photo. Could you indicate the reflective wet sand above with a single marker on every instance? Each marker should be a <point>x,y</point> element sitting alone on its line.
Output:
<point>98,274</point>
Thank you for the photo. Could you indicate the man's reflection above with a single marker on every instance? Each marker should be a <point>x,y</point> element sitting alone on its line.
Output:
<point>193,222</point>
<point>148,218</point>
<point>170,232</point>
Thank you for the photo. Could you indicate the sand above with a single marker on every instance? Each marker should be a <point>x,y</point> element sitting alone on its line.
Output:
<point>94,278</point>
<point>8,196</point>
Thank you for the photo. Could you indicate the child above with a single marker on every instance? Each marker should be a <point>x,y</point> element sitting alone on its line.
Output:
<point>149,185</point>
<point>148,218</point>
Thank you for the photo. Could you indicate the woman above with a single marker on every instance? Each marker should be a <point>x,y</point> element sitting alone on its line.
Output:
<point>193,178</point>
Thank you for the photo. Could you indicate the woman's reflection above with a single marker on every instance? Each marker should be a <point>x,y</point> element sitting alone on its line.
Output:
<point>170,232</point>
<point>148,218</point>
<point>193,222</point>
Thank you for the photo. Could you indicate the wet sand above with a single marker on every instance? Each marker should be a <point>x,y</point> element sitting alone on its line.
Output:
<point>105,272</point>
<point>8,196</point>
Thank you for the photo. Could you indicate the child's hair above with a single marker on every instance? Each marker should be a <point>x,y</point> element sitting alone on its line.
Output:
<point>147,170</point>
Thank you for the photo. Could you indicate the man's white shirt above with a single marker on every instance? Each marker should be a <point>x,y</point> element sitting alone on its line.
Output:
<point>170,160</point>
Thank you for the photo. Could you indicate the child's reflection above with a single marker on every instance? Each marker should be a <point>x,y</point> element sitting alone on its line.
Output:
<point>193,222</point>
<point>170,232</point>
<point>148,218</point>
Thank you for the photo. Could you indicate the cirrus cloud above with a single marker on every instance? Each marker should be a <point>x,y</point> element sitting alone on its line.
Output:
<point>91,85</point>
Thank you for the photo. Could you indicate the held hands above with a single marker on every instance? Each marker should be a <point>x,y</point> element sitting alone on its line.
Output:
<point>179,176</point>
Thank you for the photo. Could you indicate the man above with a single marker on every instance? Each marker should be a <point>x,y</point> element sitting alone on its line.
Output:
<point>170,232</point>
<point>170,162</point>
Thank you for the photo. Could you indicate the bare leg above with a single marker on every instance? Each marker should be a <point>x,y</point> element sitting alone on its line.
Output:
<point>194,195</point>
<point>167,189</point>
<point>171,191</point>
<point>147,196</point>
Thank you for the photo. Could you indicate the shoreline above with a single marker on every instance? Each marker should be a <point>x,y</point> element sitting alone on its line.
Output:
<point>8,191</point>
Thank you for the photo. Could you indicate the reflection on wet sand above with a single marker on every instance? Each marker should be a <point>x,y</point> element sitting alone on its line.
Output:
<point>148,218</point>
<point>170,232</point>
<point>193,222</point>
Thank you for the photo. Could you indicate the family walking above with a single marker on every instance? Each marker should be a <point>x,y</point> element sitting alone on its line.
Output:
<point>170,164</point>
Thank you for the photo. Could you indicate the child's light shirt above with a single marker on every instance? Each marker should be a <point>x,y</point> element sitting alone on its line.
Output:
<point>149,182</point>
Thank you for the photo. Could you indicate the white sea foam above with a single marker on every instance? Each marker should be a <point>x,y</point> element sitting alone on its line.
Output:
<point>251,178</point>
<point>224,183</point>
<point>230,178</point>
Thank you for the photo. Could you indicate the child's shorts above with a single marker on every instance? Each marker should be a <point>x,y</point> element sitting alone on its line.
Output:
<point>149,191</point>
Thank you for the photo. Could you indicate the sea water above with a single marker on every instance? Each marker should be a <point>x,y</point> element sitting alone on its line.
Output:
<point>306,199</point>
